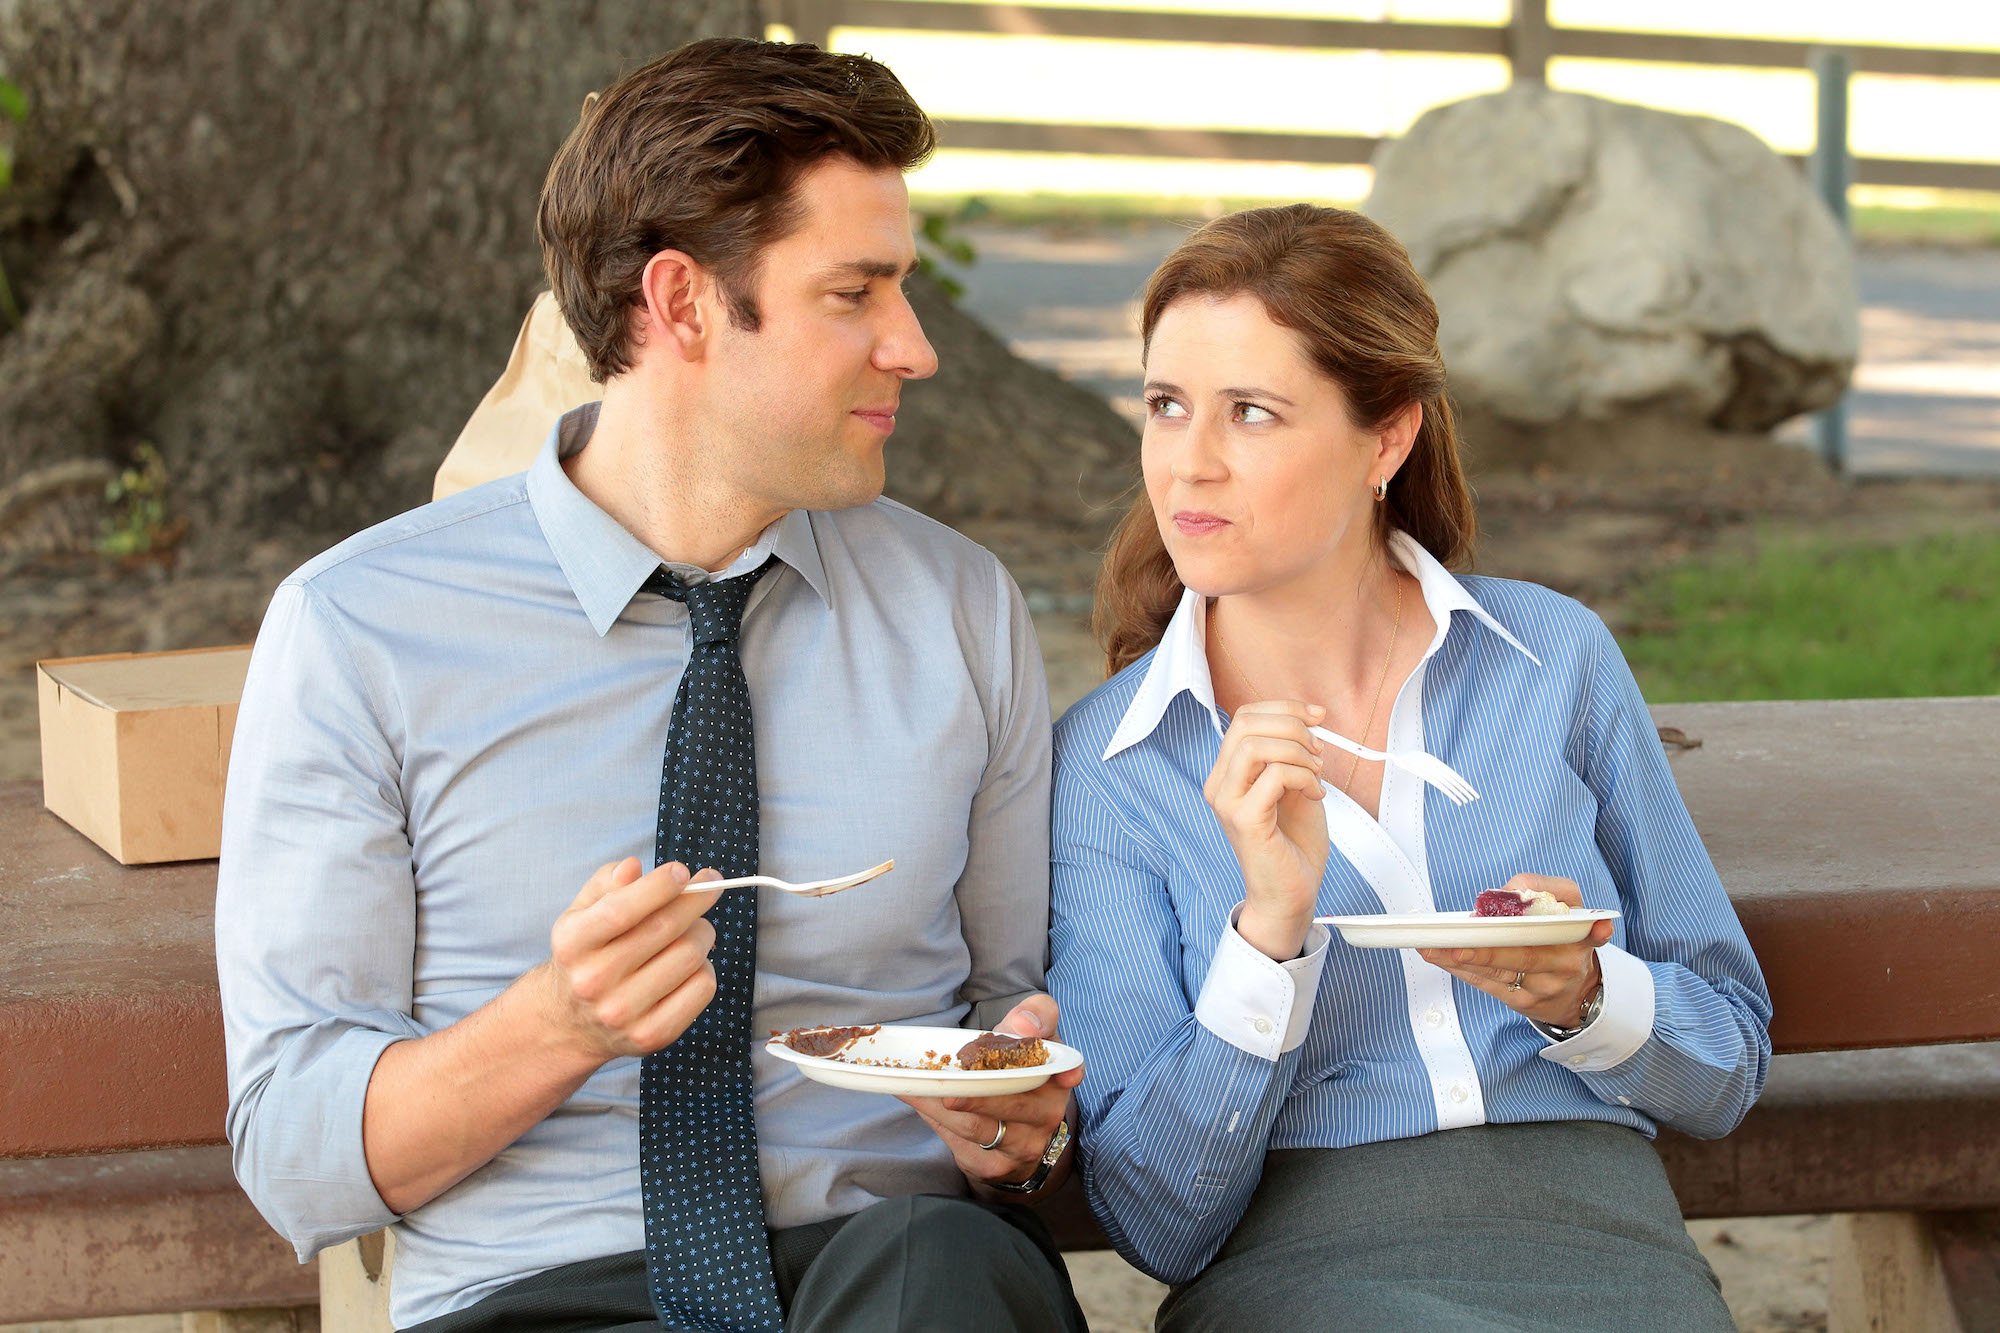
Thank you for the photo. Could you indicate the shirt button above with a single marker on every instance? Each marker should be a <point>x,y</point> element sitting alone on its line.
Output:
<point>1458,1092</point>
<point>1434,1017</point>
<point>1576,1062</point>
<point>1624,1101</point>
<point>1263,1026</point>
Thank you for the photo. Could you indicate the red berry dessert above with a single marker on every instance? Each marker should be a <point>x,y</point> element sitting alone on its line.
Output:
<point>1517,902</point>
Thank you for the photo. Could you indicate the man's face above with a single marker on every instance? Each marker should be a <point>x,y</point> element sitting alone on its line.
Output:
<point>805,404</point>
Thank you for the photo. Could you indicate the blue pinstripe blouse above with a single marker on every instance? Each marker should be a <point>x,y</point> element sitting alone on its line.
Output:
<point>1203,1053</point>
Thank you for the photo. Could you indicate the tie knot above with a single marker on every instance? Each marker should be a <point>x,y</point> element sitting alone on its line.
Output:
<point>715,608</point>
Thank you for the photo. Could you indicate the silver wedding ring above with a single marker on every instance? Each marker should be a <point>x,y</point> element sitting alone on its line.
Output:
<point>1519,977</point>
<point>998,1134</point>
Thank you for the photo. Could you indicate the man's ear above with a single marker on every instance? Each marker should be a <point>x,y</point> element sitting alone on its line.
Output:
<point>675,295</point>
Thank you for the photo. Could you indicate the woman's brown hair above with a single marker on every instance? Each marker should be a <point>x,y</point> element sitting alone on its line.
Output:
<point>699,151</point>
<point>1367,322</point>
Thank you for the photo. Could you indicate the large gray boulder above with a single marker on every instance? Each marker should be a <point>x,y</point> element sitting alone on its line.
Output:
<point>1591,258</point>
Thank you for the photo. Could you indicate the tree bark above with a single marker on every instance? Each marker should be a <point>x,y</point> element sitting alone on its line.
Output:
<point>288,247</point>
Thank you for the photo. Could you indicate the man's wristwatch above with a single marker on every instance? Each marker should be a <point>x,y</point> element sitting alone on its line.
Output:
<point>1592,1007</point>
<point>1050,1155</point>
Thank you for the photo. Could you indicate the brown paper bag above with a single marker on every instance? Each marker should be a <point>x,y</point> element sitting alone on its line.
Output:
<point>545,377</point>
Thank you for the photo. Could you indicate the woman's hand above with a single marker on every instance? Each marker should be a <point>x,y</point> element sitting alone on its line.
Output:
<point>1265,789</point>
<point>1545,982</point>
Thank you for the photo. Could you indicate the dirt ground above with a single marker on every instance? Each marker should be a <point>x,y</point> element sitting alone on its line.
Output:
<point>1586,511</point>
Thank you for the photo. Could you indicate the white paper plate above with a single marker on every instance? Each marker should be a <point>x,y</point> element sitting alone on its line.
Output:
<point>1463,930</point>
<point>911,1045</point>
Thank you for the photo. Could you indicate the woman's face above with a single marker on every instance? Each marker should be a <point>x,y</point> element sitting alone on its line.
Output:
<point>1256,475</point>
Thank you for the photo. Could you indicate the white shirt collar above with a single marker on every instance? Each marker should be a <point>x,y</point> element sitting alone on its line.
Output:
<point>756,554</point>
<point>1181,661</point>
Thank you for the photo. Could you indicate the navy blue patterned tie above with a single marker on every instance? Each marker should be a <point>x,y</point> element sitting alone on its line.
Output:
<point>707,1256</point>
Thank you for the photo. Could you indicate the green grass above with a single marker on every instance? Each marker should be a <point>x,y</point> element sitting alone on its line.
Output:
<point>1820,620</point>
<point>1929,226</point>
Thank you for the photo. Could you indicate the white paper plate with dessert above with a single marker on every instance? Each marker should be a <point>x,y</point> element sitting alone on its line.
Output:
<point>1502,919</point>
<point>921,1061</point>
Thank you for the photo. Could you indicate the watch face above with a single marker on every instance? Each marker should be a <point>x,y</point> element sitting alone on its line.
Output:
<point>1057,1142</point>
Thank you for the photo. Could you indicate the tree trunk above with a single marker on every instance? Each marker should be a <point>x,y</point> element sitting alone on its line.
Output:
<point>287,247</point>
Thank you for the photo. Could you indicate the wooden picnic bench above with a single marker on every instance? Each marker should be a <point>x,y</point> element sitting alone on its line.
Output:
<point>1859,841</point>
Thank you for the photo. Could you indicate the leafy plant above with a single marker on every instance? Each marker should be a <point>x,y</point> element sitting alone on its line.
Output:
<point>137,497</point>
<point>14,107</point>
<point>941,247</point>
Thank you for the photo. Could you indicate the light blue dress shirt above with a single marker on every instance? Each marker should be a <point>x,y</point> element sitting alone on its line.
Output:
<point>452,719</point>
<point>1204,1053</point>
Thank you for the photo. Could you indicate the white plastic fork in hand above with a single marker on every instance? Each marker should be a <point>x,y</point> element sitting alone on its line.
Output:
<point>812,888</point>
<point>1414,762</point>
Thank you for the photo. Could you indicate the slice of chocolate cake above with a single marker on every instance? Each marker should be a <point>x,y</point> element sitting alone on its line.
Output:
<point>996,1050</point>
<point>826,1043</point>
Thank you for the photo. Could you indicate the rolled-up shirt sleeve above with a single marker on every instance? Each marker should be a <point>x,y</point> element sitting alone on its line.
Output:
<point>315,924</point>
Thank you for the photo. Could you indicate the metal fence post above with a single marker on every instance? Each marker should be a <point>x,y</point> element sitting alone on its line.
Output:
<point>1528,41</point>
<point>810,20</point>
<point>1831,172</point>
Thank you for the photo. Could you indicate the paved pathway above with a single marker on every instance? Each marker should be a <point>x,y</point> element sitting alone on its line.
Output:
<point>1926,397</point>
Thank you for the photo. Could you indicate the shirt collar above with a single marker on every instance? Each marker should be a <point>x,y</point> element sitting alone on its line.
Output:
<point>604,563</point>
<point>1444,594</point>
<point>1180,663</point>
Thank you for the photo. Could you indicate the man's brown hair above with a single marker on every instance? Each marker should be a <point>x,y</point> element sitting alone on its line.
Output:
<point>1366,321</point>
<point>700,151</point>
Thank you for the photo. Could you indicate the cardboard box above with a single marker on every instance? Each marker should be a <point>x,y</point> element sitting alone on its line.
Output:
<point>135,747</point>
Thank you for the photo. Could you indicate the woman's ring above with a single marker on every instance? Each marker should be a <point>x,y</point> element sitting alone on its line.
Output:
<point>1519,977</point>
<point>998,1134</point>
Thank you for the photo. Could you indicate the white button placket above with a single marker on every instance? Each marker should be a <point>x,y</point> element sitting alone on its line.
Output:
<point>1390,855</point>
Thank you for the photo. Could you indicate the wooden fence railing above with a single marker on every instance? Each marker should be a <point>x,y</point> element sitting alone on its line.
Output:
<point>1527,42</point>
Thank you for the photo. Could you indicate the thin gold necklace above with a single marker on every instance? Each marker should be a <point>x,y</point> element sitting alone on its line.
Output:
<point>1395,628</point>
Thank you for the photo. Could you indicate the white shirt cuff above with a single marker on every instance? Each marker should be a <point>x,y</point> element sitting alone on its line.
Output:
<point>1254,1003</point>
<point>1623,1025</point>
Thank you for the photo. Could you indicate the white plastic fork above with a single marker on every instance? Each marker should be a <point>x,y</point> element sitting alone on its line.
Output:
<point>812,888</point>
<point>1414,762</point>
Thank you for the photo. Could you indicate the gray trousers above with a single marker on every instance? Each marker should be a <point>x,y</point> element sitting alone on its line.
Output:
<point>926,1262</point>
<point>1490,1229</point>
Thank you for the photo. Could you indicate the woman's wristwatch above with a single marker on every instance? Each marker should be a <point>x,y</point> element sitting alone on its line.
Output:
<point>1050,1156</point>
<point>1592,1007</point>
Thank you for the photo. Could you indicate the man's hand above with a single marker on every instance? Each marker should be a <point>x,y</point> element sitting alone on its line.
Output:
<point>628,966</point>
<point>968,1124</point>
<point>628,971</point>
